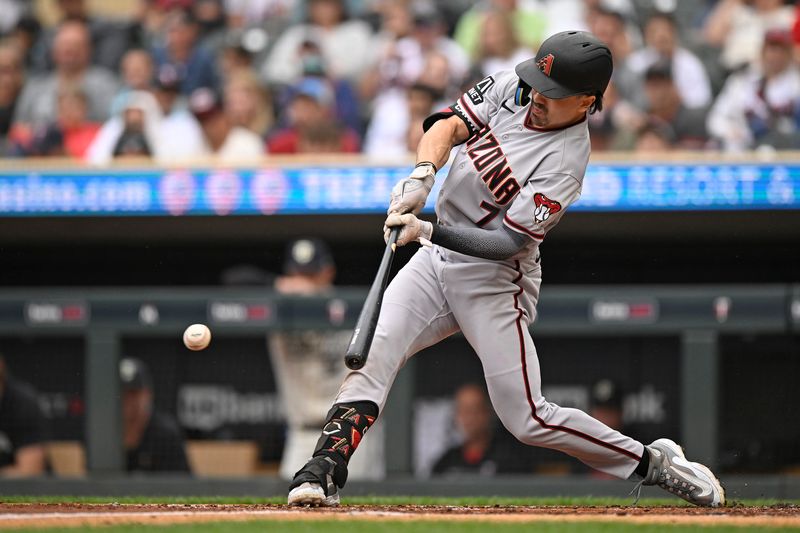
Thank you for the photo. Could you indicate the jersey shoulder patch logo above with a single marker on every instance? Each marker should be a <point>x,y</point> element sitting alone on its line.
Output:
<point>545,64</point>
<point>476,93</point>
<point>544,207</point>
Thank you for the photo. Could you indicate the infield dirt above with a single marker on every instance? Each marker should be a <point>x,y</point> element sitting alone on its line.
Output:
<point>72,514</point>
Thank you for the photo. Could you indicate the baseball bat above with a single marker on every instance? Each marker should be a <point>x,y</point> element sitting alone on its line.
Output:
<point>360,342</point>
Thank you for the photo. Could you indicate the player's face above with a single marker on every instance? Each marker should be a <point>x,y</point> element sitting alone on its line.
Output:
<point>550,113</point>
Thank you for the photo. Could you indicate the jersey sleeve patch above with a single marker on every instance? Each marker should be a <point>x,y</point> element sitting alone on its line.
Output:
<point>456,109</point>
<point>476,93</point>
<point>544,207</point>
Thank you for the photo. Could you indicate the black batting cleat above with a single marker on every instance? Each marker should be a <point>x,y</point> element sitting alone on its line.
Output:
<point>313,484</point>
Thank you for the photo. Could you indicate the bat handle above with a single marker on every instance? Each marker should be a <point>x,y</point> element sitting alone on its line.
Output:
<point>393,235</point>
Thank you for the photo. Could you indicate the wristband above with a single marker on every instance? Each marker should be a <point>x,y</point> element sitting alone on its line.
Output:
<point>421,163</point>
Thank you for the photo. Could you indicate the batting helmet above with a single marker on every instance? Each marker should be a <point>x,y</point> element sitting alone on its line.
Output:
<point>567,64</point>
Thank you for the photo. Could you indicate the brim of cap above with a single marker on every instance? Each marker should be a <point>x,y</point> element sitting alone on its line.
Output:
<point>530,73</point>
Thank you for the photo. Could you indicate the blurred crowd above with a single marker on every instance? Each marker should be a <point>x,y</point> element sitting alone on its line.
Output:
<point>232,80</point>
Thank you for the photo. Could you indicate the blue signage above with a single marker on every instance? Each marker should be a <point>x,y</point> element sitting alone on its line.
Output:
<point>362,189</point>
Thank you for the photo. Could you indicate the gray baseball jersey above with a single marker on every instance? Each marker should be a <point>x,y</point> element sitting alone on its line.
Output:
<point>507,172</point>
<point>510,172</point>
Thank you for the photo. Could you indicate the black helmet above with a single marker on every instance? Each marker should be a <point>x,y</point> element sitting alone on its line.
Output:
<point>567,64</point>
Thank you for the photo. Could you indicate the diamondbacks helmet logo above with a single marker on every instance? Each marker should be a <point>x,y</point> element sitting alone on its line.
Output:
<point>544,207</point>
<point>545,64</point>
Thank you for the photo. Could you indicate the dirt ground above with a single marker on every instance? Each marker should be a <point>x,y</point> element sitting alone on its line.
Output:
<point>70,514</point>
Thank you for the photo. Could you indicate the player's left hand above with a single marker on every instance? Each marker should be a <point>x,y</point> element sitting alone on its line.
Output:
<point>412,228</point>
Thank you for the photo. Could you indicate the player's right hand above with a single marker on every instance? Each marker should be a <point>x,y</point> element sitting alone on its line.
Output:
<point>412,229</point>
<point>410,194</point>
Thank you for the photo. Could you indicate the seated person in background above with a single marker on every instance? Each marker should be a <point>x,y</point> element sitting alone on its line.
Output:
<point>226,142</point>
<point>484,451</point>
<point>71,134</point>
<point>761,106</point>
<point>184,52</point>
<point>664,103</point>
<point>655,136</point>
<point>133,131</point>
<point>662,45</point>
<point>152,440</point>
<point>23,428</point>
<point>311,108</point>
<point>71,54</point>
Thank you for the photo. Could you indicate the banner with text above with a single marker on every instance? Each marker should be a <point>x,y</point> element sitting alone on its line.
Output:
<point>365,190</point>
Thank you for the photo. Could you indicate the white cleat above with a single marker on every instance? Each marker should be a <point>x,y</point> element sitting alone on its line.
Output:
<point>311,495</point>
<point>693,482</point>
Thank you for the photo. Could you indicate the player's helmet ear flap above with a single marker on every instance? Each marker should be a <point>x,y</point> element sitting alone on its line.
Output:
<point>522,96</point>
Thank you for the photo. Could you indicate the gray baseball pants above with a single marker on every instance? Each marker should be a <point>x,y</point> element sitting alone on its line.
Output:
<point>440,292</point>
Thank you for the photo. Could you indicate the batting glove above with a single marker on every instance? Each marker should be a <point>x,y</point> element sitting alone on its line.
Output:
<point>410,194</point>
<point>412,228</point>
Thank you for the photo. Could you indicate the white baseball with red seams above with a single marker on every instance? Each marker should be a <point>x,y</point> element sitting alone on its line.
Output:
<point>510,173</point>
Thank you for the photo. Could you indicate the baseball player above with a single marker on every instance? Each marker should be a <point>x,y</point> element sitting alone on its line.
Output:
<point>522,150</point>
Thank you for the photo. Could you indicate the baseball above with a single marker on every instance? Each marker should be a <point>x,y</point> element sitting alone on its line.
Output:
<point>197,337</point>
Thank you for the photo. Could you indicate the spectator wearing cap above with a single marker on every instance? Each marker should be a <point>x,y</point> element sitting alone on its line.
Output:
<point>738,28</point>
<point>193,62</point>
<point>152,440</point>
<point>343,42</point>
<point>528,25</point>
<point>180,137</point>
<point>761,106</point>
<point>225,141</point>
<point>314,356</point>
<point>23,428</point>
<point>347,107</point>
<point>661,45</point>
<point>312,107</point>
<point>109,39</point>
<point>308,268</point>
<point>71,54</point>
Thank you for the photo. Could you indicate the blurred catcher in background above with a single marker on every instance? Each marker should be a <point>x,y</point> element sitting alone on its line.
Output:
<point>308,365</point>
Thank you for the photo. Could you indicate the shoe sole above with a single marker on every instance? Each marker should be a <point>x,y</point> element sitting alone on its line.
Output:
<point>312,498</point>
<point>678,449</point>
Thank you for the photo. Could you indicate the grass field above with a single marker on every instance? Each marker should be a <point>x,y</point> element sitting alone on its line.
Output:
<point>389,515</point>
